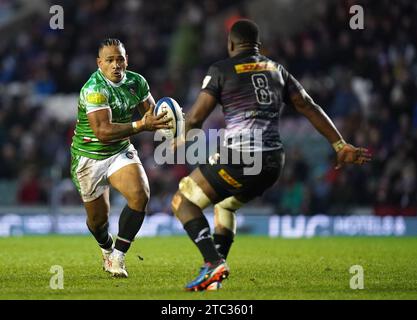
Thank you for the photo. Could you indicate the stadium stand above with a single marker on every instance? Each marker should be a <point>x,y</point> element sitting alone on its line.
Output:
<point>366,80</point>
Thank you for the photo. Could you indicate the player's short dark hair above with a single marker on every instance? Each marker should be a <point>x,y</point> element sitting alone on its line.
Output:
<point>245,31</point>
<point>110,42</point>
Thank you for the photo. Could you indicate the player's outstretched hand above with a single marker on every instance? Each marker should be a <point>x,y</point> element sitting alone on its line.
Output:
<point>151,122</point>
<point>349,154</point>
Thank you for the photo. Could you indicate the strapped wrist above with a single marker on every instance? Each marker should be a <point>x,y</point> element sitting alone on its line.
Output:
<point>338,145</point>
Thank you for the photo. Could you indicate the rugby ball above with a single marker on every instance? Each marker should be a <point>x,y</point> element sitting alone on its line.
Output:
<point>174,111</point>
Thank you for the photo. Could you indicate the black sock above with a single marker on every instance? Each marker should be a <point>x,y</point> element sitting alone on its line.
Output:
<point>130,222</point>
<point>223,243</point>
<point>102,236</point>
<point>199,231</point>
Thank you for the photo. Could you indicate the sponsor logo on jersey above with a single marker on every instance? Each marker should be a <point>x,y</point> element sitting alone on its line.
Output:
<point>96,98</point>
<point>255,66</point>
<point>229,179</point>
<point>129,154</point>
<point>261,114</point>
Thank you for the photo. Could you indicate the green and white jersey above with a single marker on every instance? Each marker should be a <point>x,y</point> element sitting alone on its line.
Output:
<point>120,98</point>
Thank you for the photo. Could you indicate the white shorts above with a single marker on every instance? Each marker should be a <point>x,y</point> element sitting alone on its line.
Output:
<point>92,175</point>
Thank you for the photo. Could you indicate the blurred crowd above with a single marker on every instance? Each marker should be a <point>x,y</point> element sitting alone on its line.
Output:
<point>366,80</point>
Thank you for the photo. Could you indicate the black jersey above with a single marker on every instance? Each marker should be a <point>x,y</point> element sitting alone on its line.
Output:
<point>252,90</point>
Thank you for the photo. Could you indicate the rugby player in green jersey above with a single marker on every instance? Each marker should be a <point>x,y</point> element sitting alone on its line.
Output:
<point>102,155</point>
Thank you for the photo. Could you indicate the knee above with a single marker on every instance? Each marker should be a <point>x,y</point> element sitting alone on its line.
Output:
<point>138,199</point>
<point>230,204</point>
<point>96,223</point>
<point>225,214</point>
<point>224,219</point>
<point>192,192</point>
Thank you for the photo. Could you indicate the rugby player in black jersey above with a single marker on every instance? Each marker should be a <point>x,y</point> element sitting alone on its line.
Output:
<point>252,90</point>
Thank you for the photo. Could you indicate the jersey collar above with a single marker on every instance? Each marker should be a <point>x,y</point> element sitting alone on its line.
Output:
<point>113,84</point>
<point>248,52</point>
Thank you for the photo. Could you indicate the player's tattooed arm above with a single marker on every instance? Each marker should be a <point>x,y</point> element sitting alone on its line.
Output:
<point>104,129</point>
<point>145,105</point>
<point>107,131</point>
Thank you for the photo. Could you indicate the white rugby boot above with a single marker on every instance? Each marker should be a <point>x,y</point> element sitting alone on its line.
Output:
<point>116,264</point>
<point>106,254</point>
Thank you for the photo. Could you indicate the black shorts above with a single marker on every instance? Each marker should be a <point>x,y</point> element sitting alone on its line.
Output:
<point>230,179</point>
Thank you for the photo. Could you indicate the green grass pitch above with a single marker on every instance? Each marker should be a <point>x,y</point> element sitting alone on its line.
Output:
<point>261,268</point>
